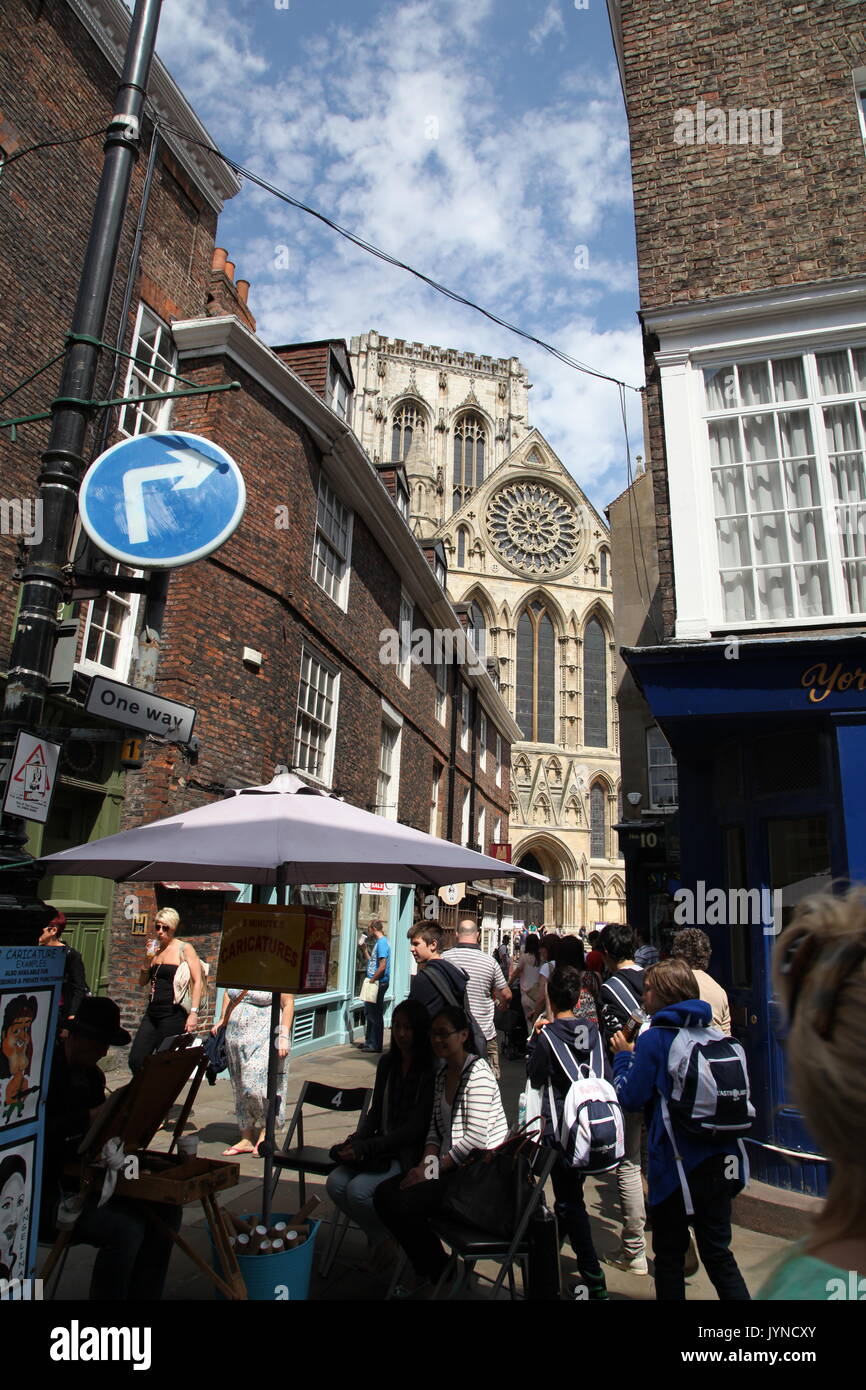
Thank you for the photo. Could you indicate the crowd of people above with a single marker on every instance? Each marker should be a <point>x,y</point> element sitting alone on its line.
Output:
<point>609,1007</point>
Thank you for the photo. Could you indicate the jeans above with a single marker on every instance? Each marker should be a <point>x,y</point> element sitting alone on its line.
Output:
<point>573,1217</point>
<point>133,1252</point>
<point>711,1194</point>
<point>407,1216</point>
<point>628,1181</point>
<point>374,1015</point>
<point>153,1031</point>
<point>351,1190</point>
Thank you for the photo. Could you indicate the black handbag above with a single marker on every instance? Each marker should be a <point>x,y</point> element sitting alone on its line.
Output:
<point>490,1190</point>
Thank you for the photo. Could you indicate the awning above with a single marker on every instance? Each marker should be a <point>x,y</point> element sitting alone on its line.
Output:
<point>202,887</point>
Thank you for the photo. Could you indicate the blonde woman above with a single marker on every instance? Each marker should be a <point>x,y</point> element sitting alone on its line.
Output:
<point>173,973</point>
<point>820,975</point>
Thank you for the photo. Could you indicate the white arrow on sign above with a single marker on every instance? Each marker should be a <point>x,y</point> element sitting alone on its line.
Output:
<point>190,469</point>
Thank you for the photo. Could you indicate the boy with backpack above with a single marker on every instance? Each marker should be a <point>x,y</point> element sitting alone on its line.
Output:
<point>567,1065</point>
<point>695,1081</point>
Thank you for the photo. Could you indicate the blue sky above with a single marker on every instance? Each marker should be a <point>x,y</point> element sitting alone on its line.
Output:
<point>482,141</point>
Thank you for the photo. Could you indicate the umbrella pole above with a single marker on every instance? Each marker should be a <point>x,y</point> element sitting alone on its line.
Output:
<point>268,1147</point>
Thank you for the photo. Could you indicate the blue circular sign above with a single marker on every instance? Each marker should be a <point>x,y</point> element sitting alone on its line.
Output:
<point>161,500</point>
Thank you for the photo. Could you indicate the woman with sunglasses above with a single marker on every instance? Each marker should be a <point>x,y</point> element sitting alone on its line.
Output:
<point>467,1115</point>
<point>820,976</point>
<point>173,972</point>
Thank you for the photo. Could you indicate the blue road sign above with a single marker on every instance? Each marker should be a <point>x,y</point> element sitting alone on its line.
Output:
<point>161,500</point>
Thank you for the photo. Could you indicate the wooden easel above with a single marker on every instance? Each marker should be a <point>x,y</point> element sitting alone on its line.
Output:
<point>134,1116</point>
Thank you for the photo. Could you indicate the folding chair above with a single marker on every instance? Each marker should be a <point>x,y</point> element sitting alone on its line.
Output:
<point>307,1158</point>
<point>468,1244</point>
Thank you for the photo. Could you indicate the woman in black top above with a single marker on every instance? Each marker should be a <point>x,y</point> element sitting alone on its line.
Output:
<point>174,973</point>
<point>392,1133</point>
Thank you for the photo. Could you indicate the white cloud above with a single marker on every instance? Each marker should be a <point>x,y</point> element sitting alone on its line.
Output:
<point>395,127</point>
<point>551,22</point>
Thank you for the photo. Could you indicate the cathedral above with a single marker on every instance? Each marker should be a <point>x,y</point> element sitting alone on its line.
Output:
<point>529,557</point>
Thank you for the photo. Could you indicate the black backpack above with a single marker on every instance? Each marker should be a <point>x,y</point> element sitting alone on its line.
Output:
<point>441,982</point>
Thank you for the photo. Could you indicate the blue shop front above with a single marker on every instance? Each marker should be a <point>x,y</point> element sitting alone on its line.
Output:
<point>770,741</point>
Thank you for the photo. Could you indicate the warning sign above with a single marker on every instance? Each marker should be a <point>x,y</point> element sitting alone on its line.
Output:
<point>32,775</point>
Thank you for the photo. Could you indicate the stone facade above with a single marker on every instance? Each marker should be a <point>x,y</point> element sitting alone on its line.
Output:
<point>520,538</point>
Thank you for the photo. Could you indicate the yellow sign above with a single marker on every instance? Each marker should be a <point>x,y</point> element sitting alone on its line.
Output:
<point>825,679</point>
<point>275,948</point>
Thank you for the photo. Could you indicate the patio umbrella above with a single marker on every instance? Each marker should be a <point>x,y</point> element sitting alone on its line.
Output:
<point>285,832</point>
<point>282,833</point>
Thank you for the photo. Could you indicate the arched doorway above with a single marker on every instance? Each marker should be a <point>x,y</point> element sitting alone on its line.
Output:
<point>529,907</point>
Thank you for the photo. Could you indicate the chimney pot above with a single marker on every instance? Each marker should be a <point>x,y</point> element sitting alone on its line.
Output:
<point>229,269</point>
<point>220,256</point>
<point>243,289</point>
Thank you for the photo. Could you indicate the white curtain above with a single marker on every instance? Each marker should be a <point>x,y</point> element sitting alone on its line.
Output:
<point>833,372</point>
<point>789,379</point>
<point>720,387</point>
<point>738,595</point>
<point>755,383</point>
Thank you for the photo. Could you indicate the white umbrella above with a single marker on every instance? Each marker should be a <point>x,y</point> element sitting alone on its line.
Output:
<point>285,832</point>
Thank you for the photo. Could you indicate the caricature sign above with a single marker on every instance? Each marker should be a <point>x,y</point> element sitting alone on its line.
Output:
<point>30,982</point>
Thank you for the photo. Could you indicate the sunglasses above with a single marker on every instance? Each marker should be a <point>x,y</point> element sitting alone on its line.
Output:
<point>838,964</point>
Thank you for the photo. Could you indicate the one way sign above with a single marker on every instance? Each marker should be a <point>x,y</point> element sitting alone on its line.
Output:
<point>140,709</point>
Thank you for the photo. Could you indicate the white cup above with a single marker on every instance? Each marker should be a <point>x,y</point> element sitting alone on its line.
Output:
<point>187,1145</point>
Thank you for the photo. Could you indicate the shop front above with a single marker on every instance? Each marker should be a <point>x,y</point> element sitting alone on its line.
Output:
<point>770,741</point>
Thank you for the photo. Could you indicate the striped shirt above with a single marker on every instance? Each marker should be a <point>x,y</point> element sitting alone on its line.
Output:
<point>485,976</point>
<point>477,1119</point>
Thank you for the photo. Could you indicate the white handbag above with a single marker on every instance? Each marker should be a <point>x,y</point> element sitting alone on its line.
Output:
<point>369,992</point>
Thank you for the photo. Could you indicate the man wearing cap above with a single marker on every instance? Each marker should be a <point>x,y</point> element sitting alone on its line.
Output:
<point>133,1252</point>
<point>74,987</point>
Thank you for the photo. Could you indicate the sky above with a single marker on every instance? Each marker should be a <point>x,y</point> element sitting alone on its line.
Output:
<point>483,142</point>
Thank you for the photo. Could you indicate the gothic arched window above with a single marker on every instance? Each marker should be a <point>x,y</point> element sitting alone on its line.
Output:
<point>594,685</point>
<point>597,847</point>
<point>461,547</point>
<point>602,569</point>
<point>477,629</point>
<point>470,438</point>
<point>536,674</point>
<point>407,429</point>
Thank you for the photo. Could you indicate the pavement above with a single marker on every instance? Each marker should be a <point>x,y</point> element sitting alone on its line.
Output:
<point>213,1122</point>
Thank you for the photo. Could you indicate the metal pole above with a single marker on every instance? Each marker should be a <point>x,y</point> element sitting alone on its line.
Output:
<point>63,464</point>
<point>268,1146</point>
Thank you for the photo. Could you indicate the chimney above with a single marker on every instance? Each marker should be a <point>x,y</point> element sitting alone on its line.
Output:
<point>243,289</point>
<point>220,256</point>
<point>229,270</point>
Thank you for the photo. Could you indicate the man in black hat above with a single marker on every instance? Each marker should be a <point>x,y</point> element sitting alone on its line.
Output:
<point>133,1251</point>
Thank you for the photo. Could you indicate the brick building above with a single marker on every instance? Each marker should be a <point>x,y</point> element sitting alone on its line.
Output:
<point>275,638</point>
<point>749,170</point>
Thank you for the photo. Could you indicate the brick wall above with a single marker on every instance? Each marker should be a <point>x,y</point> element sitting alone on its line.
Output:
<point>721,219</point>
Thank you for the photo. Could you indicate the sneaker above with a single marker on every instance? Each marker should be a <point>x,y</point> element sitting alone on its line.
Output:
<point>592,1289</point>
<point>628,1264</point>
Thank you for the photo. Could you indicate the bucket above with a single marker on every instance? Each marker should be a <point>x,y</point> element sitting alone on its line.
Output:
<point>284,1276</point>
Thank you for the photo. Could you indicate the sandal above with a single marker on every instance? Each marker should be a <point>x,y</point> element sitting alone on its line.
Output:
<point>236,1150</point>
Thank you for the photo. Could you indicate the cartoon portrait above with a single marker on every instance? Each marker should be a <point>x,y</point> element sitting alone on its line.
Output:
<point>15,1194</point>
<point>23,1027</point>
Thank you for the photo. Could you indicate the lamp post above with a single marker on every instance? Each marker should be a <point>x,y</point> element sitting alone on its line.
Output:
<point>22,915</point>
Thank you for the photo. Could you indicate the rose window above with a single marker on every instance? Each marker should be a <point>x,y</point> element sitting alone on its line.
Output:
<point>533,528</point>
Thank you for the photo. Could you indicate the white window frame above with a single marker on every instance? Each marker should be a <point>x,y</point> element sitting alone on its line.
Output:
<point>392,723</point>
<point>482,741</point>
<point>325,776</point>
<point>404,627</point>
<point>859,79</point>
<point>465,718</point>
<point>657,747</point>
<point>465,828</point>
<point>482,829</point>
<point>499,760</point>
<point>339,393</point>
<point>497,831</point>
<point>434,799</point>
<point>120,669</point>
<point>778,324</point>
<point>134,419</point>
<point>332,517</point>
<point>441,670</point>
